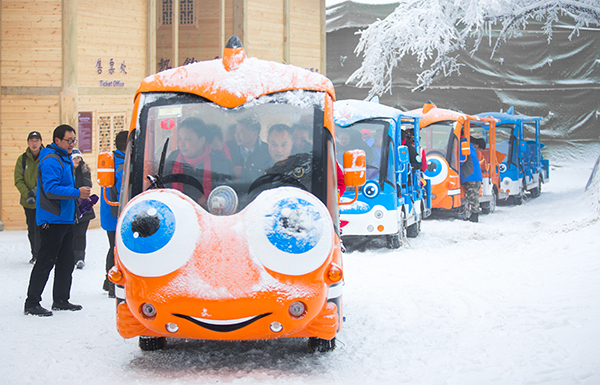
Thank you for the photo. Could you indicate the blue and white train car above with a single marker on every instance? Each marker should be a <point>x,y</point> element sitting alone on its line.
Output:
<point>393,201</point>
<point>523,168</point>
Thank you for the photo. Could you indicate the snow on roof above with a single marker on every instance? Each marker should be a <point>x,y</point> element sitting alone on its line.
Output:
<point>253,78</point>
<point>506,118</point>
<point>347,112</point>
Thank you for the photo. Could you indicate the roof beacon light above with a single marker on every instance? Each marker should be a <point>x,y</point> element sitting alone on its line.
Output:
<point>233,54</point>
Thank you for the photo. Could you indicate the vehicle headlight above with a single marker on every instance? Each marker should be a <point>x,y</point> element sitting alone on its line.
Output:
<point>437,169</point>
<point>291,235</point>
<point>371,189</point>
<point>157,233</point>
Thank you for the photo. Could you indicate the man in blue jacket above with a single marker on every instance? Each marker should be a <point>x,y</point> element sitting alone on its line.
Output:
<point>471,177</point>
<point>109,214</point>
<point>56,201</point>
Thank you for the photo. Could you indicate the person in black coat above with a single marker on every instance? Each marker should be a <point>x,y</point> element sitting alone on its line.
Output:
<point>248,152</point>
<point>83,177</point>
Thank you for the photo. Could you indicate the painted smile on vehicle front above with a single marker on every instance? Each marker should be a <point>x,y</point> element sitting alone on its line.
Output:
<point>222,326</point>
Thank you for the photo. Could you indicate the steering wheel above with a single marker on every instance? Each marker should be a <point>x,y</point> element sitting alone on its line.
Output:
<point>180,178</point>
<point>282,179</point>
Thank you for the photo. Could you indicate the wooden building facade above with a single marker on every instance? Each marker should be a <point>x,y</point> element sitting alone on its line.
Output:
<point>79,62</point>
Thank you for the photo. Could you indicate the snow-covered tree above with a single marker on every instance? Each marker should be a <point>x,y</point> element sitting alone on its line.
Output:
<point>437,31</point>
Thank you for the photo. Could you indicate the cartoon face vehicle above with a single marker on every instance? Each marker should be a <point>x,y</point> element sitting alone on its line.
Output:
<point>522,166</point>
<point>392,202</point>
<point>227,230</point>
<point>446,137</point>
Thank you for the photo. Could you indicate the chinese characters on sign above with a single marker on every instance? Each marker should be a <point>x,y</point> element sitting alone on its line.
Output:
<point>163,64</point>
<point>111,71</point>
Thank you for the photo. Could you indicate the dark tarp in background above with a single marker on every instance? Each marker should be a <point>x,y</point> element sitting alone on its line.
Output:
<point>559,81</point>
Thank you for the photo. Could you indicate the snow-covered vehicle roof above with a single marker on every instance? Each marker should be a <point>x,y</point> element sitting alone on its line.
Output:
<point>431,114</point>
<point>235,79</point>
<point>509,117</point>
<point>350,111</point>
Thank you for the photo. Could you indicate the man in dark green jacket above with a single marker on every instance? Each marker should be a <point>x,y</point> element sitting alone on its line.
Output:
<point>26,182</point>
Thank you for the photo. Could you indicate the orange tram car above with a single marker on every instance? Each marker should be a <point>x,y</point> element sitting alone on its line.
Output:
<point>228,226</point>
<point>441,133</point>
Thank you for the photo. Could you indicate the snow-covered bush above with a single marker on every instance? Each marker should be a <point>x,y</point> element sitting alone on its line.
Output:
<point>436,31</point>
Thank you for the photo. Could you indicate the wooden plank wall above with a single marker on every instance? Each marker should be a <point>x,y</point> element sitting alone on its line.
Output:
<point>31,76</point>
<point>31,80</point>
<point>265,30</point>
<point>117,31</point>
<point>305,31</point>
<point>200,42</point>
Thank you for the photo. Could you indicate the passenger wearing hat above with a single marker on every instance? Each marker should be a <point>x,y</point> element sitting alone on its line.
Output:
<point>25,176</point>
<point>83,177</point>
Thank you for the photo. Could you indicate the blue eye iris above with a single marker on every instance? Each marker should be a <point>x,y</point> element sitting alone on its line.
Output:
<point>371,190</point>
<point>434,168</point>
<point>148,227</point>
<point>293,227</point>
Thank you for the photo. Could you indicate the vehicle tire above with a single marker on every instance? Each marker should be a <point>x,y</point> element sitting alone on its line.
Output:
<point>320,345</point>
<point>149,344</point>
<point>413,230</point>
<point>393,241</point>
<point>535,192</point>
<point>490,207</point>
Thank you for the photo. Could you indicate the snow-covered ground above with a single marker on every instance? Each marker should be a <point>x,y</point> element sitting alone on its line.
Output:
<point>514,299</point>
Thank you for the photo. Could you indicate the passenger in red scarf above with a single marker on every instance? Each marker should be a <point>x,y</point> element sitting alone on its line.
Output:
<point>196,158</point>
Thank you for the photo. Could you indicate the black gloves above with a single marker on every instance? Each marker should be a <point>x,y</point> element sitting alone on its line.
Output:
<point>31,197</point>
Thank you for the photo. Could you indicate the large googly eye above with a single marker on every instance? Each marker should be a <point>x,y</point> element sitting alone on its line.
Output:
<point>371,189</point>
<point>157,233</point>
<point>437,169</point>
<point>291,235</point>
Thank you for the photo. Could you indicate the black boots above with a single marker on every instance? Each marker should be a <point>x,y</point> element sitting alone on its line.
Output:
<point>65,305</point>
<point>110,287</point>
<point>37,310</point>
<point>474,217</point>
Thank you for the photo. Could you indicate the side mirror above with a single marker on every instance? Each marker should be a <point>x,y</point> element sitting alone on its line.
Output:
<point>403,155</point>
<point>355,168</point>
<point>106,169</point>
<point>465,148</point>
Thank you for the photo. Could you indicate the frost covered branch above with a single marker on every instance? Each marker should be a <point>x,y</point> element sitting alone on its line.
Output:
<point>436,31</point>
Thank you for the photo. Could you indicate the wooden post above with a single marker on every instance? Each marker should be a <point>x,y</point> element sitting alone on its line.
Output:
<point>151,28</point>
<point>68,94</point>
<point>286,31</point>
<point>222,36</point>
<point>323,69</point>
<point>240,22</point>
<point>1,190</point>
<point>175,30</point>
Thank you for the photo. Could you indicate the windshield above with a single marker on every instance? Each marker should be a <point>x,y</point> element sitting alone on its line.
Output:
<point>505,141</point>
<point>503,138</point>
<point>195,146</point>
<point>435,138</point>
<point>369,137</point>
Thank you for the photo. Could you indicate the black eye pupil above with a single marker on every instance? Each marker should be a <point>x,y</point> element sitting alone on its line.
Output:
<point>291,225</point>
<point>145,224</point>
<point>370,191</point>
<point>431,166</point>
